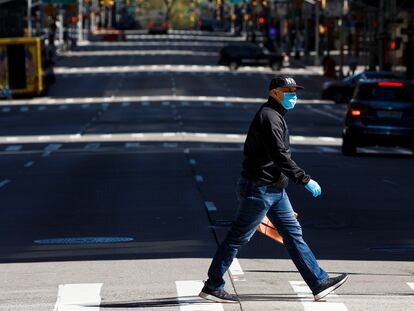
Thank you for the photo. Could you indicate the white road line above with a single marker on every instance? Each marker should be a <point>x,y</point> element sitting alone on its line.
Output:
<point>24,109</point>
<point>53,147</point>
<point>186,151</point>
<point>305,296</point>
<point>6,109</point>
<point>126,104</point>
<point>411,284</point>
<point>165,104</point>
<point>170,145</point>
<point>236,271</point>
<point>325,113</point>
<point>41,108</point>
<point>14,148</point>
<point>211,207</point>
<point>63,107</point>
<point>84,106</point>
<point>328,149</point>
<point>187,293</point>
<point>4,182</point>
<point>42,138</point>
<point>199,178</point>
<point>29,164</point>
<point>12,139</point>
<point>192,162</point>
<point>132,145</point>
<point>79,297</point>
<point>92,146</point>
<point>165,137</point>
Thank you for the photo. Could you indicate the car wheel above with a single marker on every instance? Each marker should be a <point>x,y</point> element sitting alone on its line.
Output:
<point>276,66</point>
<point>348,147</point>
<point>233,65</point>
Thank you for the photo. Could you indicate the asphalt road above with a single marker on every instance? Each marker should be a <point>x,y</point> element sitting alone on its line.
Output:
<point>147,149</point>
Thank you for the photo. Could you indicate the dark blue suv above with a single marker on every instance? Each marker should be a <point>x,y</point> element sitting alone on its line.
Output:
<point>381,113</point>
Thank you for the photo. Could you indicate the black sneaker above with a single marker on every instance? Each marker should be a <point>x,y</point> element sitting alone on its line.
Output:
<point>217,295</point>
<point>328,286</point>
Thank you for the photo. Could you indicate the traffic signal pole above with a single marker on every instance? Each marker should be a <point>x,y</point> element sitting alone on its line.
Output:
<point>317,16</point>
<point>80,21</point>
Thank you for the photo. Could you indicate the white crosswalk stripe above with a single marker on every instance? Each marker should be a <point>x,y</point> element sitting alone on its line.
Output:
<point>305,296</point>
<point>79,297</point>
<point>14,148</point>
<point>187,293</point>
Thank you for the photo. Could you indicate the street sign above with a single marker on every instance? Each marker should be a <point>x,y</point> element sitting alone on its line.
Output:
<point>59,1</point>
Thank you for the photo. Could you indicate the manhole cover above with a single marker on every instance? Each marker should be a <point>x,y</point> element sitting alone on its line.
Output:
<point>85,240</point>
<point>395,249</point>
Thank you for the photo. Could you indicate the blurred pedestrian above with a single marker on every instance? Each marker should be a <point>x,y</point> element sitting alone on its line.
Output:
<point>261,190</point>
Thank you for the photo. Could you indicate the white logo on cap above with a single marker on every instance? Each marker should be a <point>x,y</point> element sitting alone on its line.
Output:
<point>290,81</point>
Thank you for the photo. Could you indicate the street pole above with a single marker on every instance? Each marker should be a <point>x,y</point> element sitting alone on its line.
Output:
<point>317,13</point>
<point>80,21</point>
<point>29,18</point>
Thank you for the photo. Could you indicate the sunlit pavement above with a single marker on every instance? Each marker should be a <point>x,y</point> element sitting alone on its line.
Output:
<point>143,140</point>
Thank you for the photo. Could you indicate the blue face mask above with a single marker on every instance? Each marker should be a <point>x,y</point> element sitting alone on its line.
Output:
<point>289,101</point>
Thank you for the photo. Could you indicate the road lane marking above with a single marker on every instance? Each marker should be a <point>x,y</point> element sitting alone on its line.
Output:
<point>199,178</point>
<point>41,108</point>
<point>4,182</point>
<point>24,109</point>
<point>14,148</point>
<point>192,162</point>
<point>411,284</point>
<point>132,145</point>
<point>170,145</point>
<point>228,101</point>
<point>211,207</point>
<point>236,271</point>
<point>6,109</point>
<point>324,113</point>
<point>126,104</point>
<point>92,146</point>
<point>50,148</point>
<point>79,297</point>
<point>167,137</point>
<point>29,164</point>
<point>328,150</point>
<point>187,295</point>
<point>305,296</point>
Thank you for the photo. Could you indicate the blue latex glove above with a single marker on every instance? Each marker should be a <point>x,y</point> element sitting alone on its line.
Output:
<point>314,188</point>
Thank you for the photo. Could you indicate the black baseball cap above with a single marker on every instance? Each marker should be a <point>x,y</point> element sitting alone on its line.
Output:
<point>283,81</point>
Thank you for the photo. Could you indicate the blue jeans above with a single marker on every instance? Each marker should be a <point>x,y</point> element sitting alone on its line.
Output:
<point>257,199</point>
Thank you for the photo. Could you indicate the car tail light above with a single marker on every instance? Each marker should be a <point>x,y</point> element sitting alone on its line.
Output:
<point>355,112</point>
<point>164,25</point>
<point>397,84</point>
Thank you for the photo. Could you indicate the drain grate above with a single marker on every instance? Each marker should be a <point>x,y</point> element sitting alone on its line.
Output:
<point>85,240</point>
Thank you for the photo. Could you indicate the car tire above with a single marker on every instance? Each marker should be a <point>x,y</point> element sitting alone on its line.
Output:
<point>276,66</point>
<point>348,147</point>
<point>233,65</point>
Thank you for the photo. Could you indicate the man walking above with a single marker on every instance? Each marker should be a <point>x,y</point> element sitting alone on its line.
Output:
<point>267,167</point>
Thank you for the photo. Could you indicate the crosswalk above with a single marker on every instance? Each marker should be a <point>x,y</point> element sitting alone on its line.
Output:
<point>88,296</point>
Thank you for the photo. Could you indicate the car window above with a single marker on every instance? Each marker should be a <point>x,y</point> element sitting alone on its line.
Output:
<point>403,93</point>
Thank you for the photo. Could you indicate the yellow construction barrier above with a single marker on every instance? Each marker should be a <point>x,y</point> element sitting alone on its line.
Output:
<point>21,67</point>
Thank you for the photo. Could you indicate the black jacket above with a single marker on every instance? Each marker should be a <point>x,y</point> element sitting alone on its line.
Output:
<point>266,150</point>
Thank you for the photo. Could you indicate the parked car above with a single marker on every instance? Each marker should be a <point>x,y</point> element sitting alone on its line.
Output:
<point>381,113</point>
<point>249,54</point>
<point>341,90</point>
